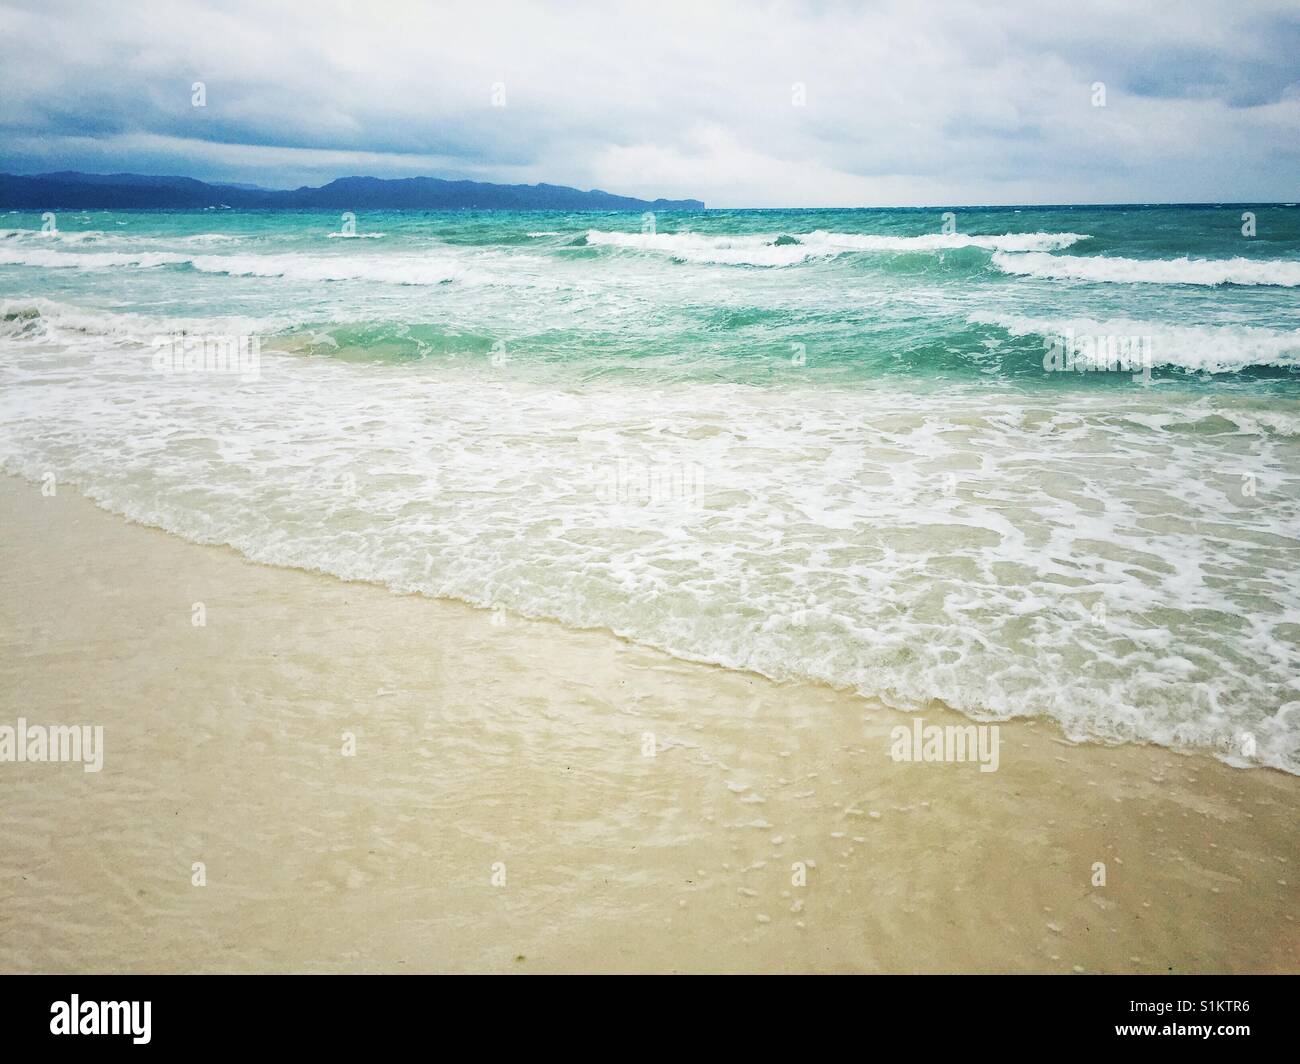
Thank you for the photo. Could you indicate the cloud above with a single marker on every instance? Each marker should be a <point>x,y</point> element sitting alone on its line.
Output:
<point>742,104</point>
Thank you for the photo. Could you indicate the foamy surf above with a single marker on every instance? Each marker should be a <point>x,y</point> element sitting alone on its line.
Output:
<point>53,236</point>
<point>1208,348</point>
<point>856,473</point>
<point>1008,559</point>
<point>779,249</point>
<point>83,329</point>
<point>1238,271</point>
<point>51,259</point>
<point>417,270</point>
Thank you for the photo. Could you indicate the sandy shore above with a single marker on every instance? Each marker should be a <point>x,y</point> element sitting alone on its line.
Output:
<point>489,747</point>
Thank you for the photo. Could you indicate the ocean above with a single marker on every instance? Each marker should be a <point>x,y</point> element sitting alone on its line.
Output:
<point>1025,462</point>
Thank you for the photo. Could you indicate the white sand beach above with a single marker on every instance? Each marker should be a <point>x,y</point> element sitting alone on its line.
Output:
<point>527,798</point>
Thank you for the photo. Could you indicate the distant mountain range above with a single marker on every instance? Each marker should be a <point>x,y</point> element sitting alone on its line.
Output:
<point>69,189</point>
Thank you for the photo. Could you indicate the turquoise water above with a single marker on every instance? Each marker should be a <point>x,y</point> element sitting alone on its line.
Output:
<point>837,445</point>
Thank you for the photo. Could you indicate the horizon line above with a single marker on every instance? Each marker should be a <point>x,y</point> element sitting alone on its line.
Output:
<point>248,185</point>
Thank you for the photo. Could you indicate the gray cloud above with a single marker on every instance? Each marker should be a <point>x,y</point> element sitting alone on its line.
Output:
<point>949,102</point>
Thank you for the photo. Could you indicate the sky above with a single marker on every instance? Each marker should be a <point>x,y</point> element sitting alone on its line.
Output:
<point>741,104</point>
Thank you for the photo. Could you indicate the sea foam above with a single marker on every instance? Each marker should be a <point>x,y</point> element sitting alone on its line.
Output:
<point>1210,348</point>
<point>785,250</point>
<point>1150,271</point>
<point>1006,555</point>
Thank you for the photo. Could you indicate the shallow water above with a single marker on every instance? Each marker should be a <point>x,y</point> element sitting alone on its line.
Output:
<point>817,445</point>
<point>383,782</point>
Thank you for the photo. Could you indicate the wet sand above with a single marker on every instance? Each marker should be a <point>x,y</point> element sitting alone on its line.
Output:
<point>526,798</point>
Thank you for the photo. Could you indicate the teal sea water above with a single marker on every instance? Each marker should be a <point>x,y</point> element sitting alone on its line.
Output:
<point>1034,461</point>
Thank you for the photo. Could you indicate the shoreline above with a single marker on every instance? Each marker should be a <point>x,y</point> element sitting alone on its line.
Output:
<point>504,809</point>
